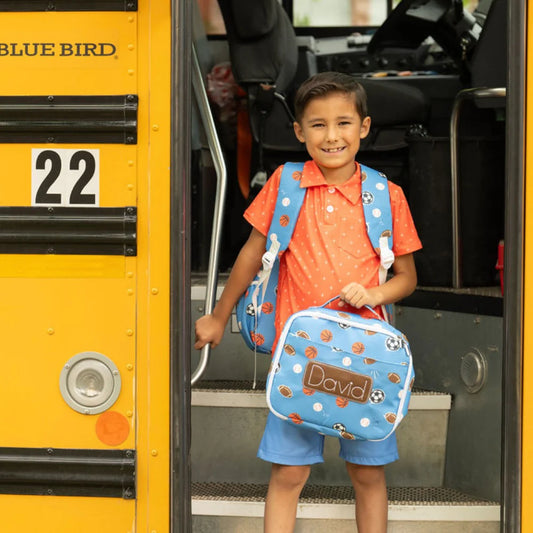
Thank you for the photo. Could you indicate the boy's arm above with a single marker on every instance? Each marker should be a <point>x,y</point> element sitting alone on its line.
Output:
<point>210,328</point>
<point>399,286</point>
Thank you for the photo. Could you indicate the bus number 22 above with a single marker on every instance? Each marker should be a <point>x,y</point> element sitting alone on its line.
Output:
<point>56,178</point>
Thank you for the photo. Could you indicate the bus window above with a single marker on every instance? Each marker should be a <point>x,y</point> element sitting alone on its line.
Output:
<point>358,12</point>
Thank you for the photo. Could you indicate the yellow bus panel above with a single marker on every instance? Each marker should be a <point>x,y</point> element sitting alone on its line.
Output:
<point>116,178</point>
<point>68,53</point>
<point>50,321</point>
<point>49,514</point>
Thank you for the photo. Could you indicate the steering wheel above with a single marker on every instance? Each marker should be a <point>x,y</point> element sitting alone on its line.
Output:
<point>411,21</point>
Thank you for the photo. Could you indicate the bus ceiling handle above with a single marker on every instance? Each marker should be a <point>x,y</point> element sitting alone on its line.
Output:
<point>220,169</point>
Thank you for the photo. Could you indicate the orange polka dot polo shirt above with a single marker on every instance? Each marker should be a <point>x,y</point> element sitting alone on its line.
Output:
<point>330,246</point>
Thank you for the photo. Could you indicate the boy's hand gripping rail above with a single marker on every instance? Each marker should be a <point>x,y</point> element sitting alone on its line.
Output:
<point>220,167</point>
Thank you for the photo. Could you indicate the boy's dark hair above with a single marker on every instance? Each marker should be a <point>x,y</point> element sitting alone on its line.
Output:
<point>325,83</point>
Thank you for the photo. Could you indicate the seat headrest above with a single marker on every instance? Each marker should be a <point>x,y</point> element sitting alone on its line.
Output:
<point>262,42</point>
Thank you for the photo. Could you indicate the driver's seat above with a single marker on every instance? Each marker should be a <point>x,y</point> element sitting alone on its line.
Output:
<point>268,63</point>
<point>265,63</point>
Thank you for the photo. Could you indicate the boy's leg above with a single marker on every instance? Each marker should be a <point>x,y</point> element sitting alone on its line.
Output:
<point>365,462</point>
<point>291,450</point>
<point>286,483</point>
<point>371,502</point>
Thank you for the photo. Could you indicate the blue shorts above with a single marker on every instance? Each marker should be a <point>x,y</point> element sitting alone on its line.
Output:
<point>287,444</point>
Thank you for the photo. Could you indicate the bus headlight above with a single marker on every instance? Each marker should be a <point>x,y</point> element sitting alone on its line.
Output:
<point>90,383</point>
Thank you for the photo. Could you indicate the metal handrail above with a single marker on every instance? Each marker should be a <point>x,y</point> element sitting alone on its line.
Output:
<point>220,168</point>
<point>467,94</point>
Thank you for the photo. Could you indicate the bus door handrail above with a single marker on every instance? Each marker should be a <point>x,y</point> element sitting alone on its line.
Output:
<point>467,94</point>
<point>221,172</point>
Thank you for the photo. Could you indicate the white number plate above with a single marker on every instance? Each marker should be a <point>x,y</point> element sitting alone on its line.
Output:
<point>68,177</point>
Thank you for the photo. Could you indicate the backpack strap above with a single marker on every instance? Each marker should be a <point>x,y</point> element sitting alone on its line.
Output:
<point>378,217</point>
<point>288,204</point>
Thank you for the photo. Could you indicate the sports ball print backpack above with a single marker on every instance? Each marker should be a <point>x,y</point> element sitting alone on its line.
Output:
<point>256,308</point>
<point>341,374</point>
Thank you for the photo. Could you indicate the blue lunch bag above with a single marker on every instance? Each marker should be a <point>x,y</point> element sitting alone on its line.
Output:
<point>341,374</point>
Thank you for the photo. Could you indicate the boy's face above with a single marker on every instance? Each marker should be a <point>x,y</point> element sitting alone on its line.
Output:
<point>332,131</point>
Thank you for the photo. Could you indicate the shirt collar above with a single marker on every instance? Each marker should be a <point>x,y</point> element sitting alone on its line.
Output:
<point>350,189</point>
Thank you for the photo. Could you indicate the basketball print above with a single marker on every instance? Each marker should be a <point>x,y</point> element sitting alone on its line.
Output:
<point>296,418</point>
<point>284,220</point>
<point>308,392</point>
<point>257,338</point>
<point>358,348</point>
<point>326,335</point>
<point>311,352</point>
<point>341,402</point>
<point>267,308</point>
<point>297,175</point>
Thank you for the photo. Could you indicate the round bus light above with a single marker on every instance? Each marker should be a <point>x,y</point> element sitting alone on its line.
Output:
<point>90,383</point>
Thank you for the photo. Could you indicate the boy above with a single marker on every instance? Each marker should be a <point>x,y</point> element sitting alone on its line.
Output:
<point>329,254</point>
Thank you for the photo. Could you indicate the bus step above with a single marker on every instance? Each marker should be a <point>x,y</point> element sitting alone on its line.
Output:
<point>239,413</point>
<point>226,507</point>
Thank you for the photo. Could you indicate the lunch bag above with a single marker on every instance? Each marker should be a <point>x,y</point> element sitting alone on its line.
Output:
<point>255,309</point>
<point>341,374</point>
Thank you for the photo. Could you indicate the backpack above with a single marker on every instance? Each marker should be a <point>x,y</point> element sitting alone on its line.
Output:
<point>255,309</point>
<point>340,374</point>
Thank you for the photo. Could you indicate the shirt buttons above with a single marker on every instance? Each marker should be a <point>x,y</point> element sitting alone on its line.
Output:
<point>331,189</point>
<point>330,209</point>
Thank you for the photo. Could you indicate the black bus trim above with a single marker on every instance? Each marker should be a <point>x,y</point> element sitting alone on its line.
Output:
<point>68,472</point>
<point>67,5</point>
<point>68,230</point>
<point>69,119</point>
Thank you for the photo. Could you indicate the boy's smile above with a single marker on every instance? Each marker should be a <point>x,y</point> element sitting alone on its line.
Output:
<point>332,129</point>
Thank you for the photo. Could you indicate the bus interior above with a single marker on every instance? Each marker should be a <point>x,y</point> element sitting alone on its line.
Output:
<point>436,76</point>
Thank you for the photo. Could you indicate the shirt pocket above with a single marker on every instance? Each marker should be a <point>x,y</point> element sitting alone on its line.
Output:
<point>355,246</point>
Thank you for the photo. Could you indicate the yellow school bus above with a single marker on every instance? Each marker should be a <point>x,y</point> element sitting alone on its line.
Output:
<point>85,252</point>
<point>110,227</point>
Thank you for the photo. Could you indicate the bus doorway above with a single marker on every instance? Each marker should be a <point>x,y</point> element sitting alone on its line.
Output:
<point>442,131</point>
